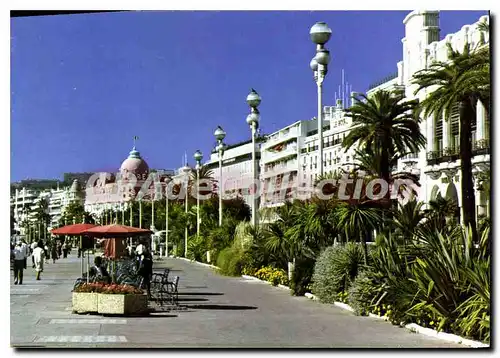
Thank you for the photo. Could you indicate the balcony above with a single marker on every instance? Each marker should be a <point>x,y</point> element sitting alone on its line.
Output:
<point>281,168</point>
<point>479,147</point>
<point>440,156</point>
<point>285,151</point>
<point>385,79</point>
<point>282,136</point>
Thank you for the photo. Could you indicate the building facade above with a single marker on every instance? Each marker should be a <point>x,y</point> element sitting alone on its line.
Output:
<point>237,176</point>
<point>438,165</point>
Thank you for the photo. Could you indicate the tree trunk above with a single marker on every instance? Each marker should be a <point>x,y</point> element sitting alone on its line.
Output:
<point>467,185</point>
<point>365,247</point>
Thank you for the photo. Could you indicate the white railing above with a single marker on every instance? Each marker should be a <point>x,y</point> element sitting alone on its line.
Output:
<point>281,136</point>
<point>280,168</point>
<point>268,156</point>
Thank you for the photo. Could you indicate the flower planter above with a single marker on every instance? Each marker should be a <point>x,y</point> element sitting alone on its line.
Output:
<point>122,304</point>
<point>84,302</point>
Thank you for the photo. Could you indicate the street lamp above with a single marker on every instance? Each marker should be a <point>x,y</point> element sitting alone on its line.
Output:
<point>166,217</point>
<point>220,135</point>
<point>320,34</point>
<point>198,156</point>
<point>253,100</point>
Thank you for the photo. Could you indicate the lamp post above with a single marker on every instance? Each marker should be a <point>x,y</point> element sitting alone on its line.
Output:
<point>186,209</point>
<point>198,156</point>
<point>220,135</point>
<point>166,218</point>
<point>320,34</point>
<point>253,100</point>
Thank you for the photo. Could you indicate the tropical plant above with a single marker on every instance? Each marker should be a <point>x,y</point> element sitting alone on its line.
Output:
<point>384,125</point>
<point>230,261</point>
<point>407,218</point>
<point>75,212</point>
<point>441,211</point>
<point>462,80</point>
<point>358,222</point>
<point>335,269</point>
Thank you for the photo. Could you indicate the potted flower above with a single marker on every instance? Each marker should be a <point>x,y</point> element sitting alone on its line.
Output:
<point>85,297</point>
<point>121,299</point>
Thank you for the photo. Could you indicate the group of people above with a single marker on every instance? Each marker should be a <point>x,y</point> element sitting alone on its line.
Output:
<point>19,255</point>
<point>40,253</point>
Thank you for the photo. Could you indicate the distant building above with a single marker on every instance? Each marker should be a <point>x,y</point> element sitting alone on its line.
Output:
<point>237,177</point>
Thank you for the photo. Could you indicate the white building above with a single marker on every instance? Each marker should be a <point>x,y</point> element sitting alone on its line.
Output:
<point>25,203</point>
<point>290,158</point>
<point>438,163</point>
<point>237,176</point>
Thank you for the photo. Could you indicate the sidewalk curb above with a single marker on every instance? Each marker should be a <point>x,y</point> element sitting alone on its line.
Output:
<point>197,262</point>
<point>413,327</point>
<point>246,277</point>
<point>445,336</point>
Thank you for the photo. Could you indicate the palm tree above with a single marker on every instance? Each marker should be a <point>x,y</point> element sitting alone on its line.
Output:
<point>384,125</point>
<point>441,211</point>
<point>206,176</point>
<point>357,221</point>
<point>370,165</point>
<point>462,80</point>
<point>41,213</point>
<point>407,218</point>
<point>75,212</point>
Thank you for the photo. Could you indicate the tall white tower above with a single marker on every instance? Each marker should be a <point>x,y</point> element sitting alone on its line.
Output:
<point>421,28</point>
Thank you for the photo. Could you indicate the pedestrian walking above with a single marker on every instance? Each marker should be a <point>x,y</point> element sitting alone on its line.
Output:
<point>59,249</point>
<point>33,247</point>
<point>19,259</point>
<point>26,249</point>
<point>146,271</point>
<point>53,252</point>
<point>39,255</point>
<point>65,249</point>
<point>47,253</point>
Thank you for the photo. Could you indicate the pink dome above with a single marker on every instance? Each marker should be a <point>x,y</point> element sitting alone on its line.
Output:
<point>135,164</point>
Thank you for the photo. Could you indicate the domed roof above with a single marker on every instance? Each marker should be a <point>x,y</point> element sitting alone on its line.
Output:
<point>134,163</point>
<point>75,187</point>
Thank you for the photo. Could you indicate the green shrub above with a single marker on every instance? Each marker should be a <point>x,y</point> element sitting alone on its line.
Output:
<point>364,291</point>
<point>197,248</point>
<point>335,269</point>
<point>230,262</point>
<point>302,276</point>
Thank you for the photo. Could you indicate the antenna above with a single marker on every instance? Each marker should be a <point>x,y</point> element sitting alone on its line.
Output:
<point>350,89</point>
<point>343,92</point>
<point>346,94</point>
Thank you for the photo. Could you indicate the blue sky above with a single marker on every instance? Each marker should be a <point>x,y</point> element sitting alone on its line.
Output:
<point>83,85</point>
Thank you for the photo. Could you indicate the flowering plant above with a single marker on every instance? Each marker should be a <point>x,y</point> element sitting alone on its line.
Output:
<point>121,289</point>
<point>100,287</point>
<point>89,287</point>
<point>273,275</point>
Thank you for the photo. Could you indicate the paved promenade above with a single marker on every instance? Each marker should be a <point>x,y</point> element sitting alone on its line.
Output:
<point>220,312</point>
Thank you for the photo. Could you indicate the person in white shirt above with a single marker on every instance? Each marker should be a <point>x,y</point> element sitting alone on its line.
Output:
<point>19,254</point>
<point>33,247</point>
<point>26,249</point>
<point>39,255</point>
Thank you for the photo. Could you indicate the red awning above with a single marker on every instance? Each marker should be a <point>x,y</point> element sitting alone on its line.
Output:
<point>76,229</point>
<point>116,231</point>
